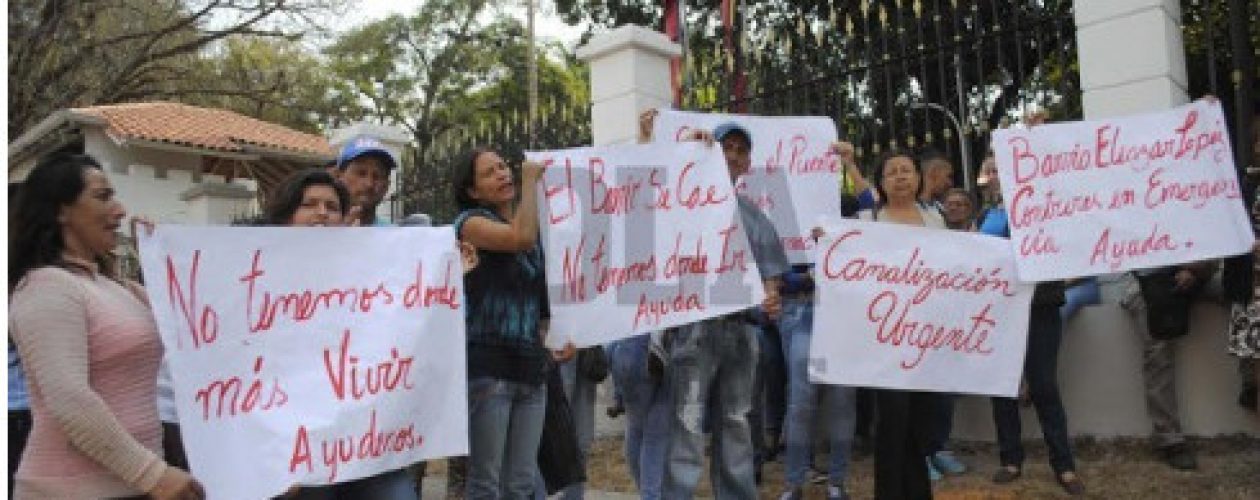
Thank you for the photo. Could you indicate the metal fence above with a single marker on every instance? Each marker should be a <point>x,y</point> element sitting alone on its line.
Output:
<point>426,181</point>
<point>1222,38</point>
<point>907,74</point>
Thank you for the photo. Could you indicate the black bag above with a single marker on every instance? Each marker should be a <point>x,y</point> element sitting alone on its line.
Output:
<point>592,364</point>
<point>1167,309</point>
<point>560,459</point>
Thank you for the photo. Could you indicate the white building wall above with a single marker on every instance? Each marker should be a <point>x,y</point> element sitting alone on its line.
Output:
<point>149,182</point>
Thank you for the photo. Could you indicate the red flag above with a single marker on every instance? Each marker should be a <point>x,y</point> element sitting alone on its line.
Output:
<point>729,43</point>
<point>674,30</point>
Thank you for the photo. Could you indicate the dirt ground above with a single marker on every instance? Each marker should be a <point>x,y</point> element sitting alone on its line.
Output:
<point>1229,468</point>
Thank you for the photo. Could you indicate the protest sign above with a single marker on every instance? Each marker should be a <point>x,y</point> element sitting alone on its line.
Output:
<point>1106,196</point>
<point>641,238</point>
<point>912,308</point>
<point>794,177</point>
<point>310,355</point>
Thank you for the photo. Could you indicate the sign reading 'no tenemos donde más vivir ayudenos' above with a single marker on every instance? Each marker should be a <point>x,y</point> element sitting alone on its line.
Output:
<point>310,355</point>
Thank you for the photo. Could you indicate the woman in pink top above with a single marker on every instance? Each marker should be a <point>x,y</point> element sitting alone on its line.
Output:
<point>88,342</point>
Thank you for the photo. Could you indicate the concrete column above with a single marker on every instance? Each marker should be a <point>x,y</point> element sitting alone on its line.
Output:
<point>629,73</point>
<point>1131,54</point>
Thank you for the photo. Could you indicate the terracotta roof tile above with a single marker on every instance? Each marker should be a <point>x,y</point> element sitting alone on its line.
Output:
<point>215,129</point>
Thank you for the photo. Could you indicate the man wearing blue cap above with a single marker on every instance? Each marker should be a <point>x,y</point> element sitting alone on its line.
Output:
<point>712,363</point>
<point>364,166</point>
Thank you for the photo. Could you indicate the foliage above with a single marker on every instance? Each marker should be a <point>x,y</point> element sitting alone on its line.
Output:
<point>274,80</point>
<point>68,53</point>
<point>866,62</point>
<point>450,73</point>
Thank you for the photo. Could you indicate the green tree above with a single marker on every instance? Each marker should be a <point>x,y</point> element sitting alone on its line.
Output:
<point>450,73</point>
<point>402,69</point>
<point>67,53</point>
<point>274,80</point>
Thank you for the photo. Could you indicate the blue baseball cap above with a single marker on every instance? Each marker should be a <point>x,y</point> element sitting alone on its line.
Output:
<point>728,128</point>
<point>365,146</point>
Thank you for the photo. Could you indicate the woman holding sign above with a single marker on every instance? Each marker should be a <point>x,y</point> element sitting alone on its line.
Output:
<point>314,198</point>
<point>506,307</point>
<point>1041,364</point>
<point>88,342</point>
<point>904,422</point>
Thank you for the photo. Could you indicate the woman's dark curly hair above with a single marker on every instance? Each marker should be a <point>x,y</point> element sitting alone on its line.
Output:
<point>34,230</point>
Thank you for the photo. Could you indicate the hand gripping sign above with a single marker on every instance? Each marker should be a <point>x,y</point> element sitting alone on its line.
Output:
<point>794,177</point>
<point>1112,195</point>
<point>912,308</point>
<point>310,356</point>
<point>640,238</point>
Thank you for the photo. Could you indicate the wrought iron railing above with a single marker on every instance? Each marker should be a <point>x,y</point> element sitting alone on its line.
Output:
<point>426,181</point>
<point>895,73</point>
<point>1221,38</point>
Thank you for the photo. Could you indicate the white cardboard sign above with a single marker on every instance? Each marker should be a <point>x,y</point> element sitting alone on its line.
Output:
<point>1106,196</point>
<point>640,238</point>
<point>310,356</point>
<point>921,309</point>
<point>794,177</point>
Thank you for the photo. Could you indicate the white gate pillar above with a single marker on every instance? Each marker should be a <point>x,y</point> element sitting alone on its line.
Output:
<point>629,73</point>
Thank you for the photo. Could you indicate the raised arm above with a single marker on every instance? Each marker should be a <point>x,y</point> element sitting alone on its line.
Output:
<point>848,160</point>
<point>518,234</point>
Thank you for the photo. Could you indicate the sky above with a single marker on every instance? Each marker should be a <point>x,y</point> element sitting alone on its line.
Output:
<point>548,23</point>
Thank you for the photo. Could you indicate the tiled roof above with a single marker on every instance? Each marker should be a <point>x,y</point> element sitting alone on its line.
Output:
<point>207,128</point>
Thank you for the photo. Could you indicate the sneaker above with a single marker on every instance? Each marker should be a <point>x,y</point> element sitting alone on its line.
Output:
<point>792,494</point>
<point>1071,483</point>
<point>837,492</point>
<point>933,474</point>
<point>1180,457</point>
<point>817,476</point>
<point>1006,474</point>
<point>946,462</point>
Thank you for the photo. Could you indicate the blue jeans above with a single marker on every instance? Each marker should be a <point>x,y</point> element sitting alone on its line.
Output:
<point>505,425</point>
<point>648,410</point>
<point>712,362</point>
<point>1041,371</point>
<point>796,325</point>
<point>1084,293</point>
<point>392,485</point>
